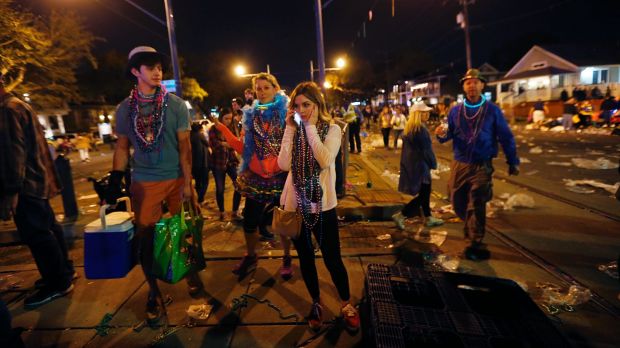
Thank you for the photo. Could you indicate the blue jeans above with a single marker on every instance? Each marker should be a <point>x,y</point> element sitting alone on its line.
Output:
<point>220,176</point>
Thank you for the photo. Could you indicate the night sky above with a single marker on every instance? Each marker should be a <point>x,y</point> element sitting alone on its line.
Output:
<point>282,32</point>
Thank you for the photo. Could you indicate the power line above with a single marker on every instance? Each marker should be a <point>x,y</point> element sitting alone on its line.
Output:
<point>110,8</point>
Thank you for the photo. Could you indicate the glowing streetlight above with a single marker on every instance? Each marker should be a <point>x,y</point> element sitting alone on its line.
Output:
<point>240,70</point>
<point>327,84</point>
<point>341,63</point>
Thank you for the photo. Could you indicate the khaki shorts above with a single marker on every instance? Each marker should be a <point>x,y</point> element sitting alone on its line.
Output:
<point>147,198</point>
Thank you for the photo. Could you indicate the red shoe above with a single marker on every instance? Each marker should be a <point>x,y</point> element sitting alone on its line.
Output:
<point>315,318</point>
<point>246,265</point>
<point>351,317</point>
<point>286,271</point>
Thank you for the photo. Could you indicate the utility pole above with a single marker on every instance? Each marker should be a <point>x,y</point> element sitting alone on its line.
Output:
<point>173,47</point>
<point>318,15</point>
<point>311,70</point>
<point>465,26</point>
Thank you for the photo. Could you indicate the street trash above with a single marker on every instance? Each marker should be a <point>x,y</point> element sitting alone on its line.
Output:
<point>519,200</point>
<point>10,282</point>
<point>199,312</point>
<point>553,295</point>
<point>557,129</point>
<point>504,195</point>
<point>611,269</point>
<point>493,206</point>
<point>384,236</point>
<point>536,150</point>
<point>448,262</point>
<point>531,172</point>
<point>562,164</point>
<point>431,237</point>
<point>391,176</point>
<point>599,163</point>
<point>577,183</point>
<point>445,209</point>
<point>579,189</point>
<point>103,328</point>
<point>524,160</point>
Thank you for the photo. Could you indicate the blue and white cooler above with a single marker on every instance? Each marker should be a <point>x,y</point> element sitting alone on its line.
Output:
<point>107,244</point>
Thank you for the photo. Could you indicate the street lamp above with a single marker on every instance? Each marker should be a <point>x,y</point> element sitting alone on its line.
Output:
<point>327,84</point>
<point>340,64</point>
<point>241,71</point>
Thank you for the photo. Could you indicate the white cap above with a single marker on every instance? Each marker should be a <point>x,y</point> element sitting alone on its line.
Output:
<point>420,106</point>
<point>141,49</point>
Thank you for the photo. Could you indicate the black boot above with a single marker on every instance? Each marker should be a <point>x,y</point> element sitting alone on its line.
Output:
<point>477,252</point>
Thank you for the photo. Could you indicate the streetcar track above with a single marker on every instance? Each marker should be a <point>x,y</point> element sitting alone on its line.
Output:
<point>553,269</point>
<point>552,195</point>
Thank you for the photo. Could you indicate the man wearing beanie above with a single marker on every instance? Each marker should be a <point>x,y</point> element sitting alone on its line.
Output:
<point>156,124</point>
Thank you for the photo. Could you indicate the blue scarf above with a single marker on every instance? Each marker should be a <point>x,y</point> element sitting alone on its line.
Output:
<point>277,108</point>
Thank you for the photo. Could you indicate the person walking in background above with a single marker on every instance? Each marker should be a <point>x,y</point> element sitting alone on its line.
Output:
<point>369,116</point>
<point>200,160</point>
<point>157,125</point>
<point>225,162</point>
<point>260,179</point>
<point>28,179</point>
<point>416,161</point>
<point>385,119</point>
<point>308,153</point>
<point>475,127</point>
<point>355,119</point>
<point>83,146</point>
<point>398,125</point>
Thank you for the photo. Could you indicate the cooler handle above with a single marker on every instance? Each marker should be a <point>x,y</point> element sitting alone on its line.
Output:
<point>127,201</point>
<point>102,210</point>
<point>104,207</point>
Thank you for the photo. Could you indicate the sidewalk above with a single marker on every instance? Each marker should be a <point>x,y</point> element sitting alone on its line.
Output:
<point>73,321</point>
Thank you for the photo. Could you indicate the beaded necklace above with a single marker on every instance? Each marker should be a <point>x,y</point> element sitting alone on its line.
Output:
<point>147,126</point>
<point>305,170</point>
<point>474,125</point>
<point>267,135</point>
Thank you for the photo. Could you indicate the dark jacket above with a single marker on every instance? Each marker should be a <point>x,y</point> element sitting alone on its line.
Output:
<point>200,150</point>
<point>26,165</point>
<point>416,161</point>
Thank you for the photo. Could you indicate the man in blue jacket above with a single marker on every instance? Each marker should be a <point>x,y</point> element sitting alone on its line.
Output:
<point>475,127</point>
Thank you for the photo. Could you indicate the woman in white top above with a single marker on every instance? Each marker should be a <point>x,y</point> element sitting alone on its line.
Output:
<point>310,188</point>
<point>398,123</point>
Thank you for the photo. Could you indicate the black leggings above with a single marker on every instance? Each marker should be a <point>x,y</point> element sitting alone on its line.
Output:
<point>257,214</point>
<point>423,199</point>
<point>330,248</point>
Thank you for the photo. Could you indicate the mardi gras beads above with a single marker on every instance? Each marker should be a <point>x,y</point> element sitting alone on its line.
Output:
<point>148,128</point>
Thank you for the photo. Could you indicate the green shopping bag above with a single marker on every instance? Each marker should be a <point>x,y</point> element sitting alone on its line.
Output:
<point>177,246</point>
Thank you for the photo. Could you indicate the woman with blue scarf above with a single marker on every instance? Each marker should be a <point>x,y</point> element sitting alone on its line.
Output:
<point>260,178</point>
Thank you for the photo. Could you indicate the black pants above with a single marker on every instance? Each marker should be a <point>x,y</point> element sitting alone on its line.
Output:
<point>354,137</point>
<point>37,227</point>
<point>328,236</point>
<point>220,181</point>
<point>201,177</point>
<point>423,200</point>
<point>386,136</point>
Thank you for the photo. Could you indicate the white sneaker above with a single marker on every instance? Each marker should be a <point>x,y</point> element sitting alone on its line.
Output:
<point>399,220</point>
